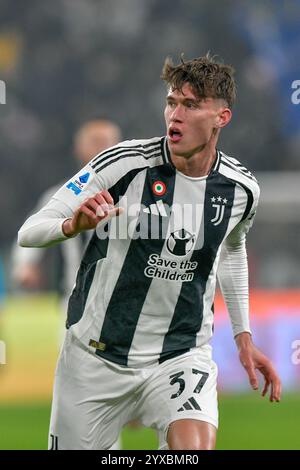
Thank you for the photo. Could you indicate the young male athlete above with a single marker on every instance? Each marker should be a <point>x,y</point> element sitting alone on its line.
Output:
<point>141,315</point>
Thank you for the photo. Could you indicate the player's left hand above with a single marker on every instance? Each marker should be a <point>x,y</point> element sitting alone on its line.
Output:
<point>252,358</point>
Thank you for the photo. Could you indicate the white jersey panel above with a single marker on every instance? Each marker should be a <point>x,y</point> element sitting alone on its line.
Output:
<point>108,269</point>
<point>160,302</point>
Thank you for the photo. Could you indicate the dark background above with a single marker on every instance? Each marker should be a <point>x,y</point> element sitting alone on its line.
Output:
<point>65,61</point>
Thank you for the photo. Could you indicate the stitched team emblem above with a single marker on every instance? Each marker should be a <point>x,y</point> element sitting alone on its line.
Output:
<point>220,209</point>
<point>159,188</point>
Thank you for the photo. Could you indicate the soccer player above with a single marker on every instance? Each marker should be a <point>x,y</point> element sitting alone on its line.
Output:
<point>171,212</point>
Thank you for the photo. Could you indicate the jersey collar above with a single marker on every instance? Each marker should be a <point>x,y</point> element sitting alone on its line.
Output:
<point>168,161</point>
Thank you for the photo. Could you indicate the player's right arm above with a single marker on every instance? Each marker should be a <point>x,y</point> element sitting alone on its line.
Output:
<point>26,262</point>
<point>77,206</point>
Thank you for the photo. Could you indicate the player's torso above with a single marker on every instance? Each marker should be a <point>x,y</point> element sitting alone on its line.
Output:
<point>171,222</point>
<point>153,271</point>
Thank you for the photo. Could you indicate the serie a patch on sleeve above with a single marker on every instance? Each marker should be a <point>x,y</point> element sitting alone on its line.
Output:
<point>77,185</point>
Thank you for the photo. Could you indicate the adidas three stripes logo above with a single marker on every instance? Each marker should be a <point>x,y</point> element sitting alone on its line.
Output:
<point>156,209</point>
<point>190,404</point>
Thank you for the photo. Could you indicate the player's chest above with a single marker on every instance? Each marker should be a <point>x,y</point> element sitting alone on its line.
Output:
<point>183,211</point>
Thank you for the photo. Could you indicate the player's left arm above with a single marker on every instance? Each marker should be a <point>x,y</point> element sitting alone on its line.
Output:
<point>233,280</point>
<point>253,359</point>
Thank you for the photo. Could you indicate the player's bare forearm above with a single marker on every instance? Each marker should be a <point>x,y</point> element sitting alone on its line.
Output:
<point>243,340</point>
<point>252,358</point>
<point>92,211</point>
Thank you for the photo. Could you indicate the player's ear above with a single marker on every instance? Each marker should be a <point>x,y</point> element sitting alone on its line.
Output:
<point>223,117</point>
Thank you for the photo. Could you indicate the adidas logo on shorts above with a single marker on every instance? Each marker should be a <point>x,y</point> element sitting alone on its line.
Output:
<point>190,404</point>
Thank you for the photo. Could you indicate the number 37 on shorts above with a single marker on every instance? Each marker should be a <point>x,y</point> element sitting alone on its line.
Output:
<point>179,380</point>
<point>193,393</point>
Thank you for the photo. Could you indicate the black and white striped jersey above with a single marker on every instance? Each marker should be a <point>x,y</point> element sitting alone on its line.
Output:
<point>145,287</point>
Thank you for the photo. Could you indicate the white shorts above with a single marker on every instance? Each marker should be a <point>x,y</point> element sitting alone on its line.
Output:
<point>93,398</point>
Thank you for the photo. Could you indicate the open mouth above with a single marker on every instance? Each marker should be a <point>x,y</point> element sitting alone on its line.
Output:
<point>175,135</point>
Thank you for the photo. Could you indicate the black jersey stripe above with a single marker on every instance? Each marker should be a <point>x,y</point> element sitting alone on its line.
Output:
<point>249,192</point>
<point>238,169</point>
<point>133,146</point>
<point>145,149</point>
<point>121,317</point>
<point>96,250</point>
<point>245,171</point>
<point>154,149</point>
<point>250,200</point>
<point>234,162</point>
<point>250,197</point>
<point>166,152</point>
<point>167,155</point>
<point>241,167</point>
<point>217,162</point>
<point>125,155</point>
<point>124,151</point>
<point>188,313</point>
<point>120,187</point>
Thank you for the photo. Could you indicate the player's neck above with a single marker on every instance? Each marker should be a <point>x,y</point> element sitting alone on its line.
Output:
<point>199,164</point>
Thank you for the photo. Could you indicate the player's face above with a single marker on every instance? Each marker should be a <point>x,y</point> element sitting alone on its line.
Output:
<point>191,122</point>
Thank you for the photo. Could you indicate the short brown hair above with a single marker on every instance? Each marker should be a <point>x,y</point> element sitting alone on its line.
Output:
<point>208,78</point>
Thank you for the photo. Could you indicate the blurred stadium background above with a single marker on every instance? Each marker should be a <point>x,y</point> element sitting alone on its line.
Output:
<point>67,61</point>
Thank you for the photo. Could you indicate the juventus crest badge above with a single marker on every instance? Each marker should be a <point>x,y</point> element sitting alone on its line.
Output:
<point>219,204</point>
